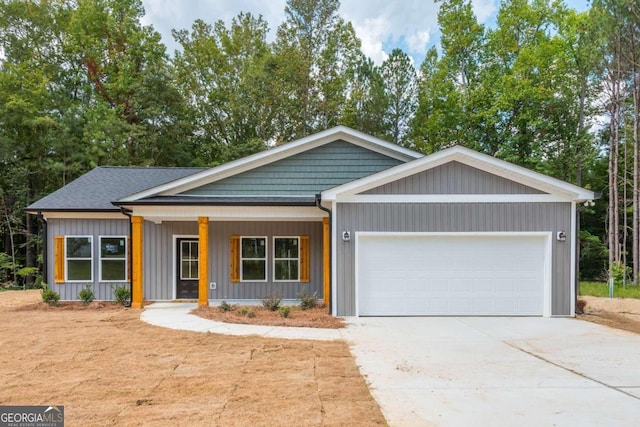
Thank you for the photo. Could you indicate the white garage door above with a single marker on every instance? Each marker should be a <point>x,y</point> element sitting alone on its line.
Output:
<point>400,274</point>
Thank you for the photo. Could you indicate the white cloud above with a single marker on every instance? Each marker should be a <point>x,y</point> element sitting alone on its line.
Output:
<point>372,33</point>
<point>166,15</point>
<point>485,10</point>
<point>417,42</point>
<point>408,25</point>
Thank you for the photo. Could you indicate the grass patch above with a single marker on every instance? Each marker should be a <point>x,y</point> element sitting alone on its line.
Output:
<point>601,289</point>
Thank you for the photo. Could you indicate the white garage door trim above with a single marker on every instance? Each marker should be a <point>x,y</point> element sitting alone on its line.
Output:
<point>546,236</point>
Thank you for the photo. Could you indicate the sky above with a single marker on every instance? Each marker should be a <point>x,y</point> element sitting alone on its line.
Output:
<point>381,25</point>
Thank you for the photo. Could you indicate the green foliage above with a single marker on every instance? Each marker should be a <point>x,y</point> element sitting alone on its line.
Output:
<point>271,302</point>
<point>87,295</point>
<point>285,311</point>
<point>122,295</point>
<point>246,311</point>
<point>621,274</point>
<point>49,296</point>
<point>401,92</point>
<point>593,256</point>
<point>601,289</point>
<point>308,302</point>
<point>225,306</point>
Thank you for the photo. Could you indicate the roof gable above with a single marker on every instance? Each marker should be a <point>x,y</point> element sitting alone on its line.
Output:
<point>453,178</point>
<point>272,155</point>
<point>98,188</point>
<point>544,184</point>
<point>303,174</point>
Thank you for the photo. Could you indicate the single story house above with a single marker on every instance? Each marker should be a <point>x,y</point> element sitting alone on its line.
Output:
<point>370,227</point>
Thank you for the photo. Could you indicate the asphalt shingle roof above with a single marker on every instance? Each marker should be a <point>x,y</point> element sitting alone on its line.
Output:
<point>95,190</point>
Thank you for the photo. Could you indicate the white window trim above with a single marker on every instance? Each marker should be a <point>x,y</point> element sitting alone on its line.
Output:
<point>125,259</point>
<point>197,258</point>
<point>285,259</point>
<point>266,257</point>
<point>67,259</point>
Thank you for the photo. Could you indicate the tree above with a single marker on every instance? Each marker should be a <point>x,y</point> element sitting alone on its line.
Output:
<point>224,71</point>
<point>132,114</point>
<point>401,91</point>
<point>31,36</point>
<point>314,53</point>
<point>367,102</point>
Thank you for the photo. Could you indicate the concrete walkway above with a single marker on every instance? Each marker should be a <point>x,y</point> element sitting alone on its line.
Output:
<point>178,316</point>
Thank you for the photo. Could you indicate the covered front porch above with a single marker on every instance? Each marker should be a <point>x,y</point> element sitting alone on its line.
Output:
<point>229,252</point>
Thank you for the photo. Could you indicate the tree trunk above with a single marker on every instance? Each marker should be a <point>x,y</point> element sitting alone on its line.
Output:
<point>636,160</point>
<point>613,214</point>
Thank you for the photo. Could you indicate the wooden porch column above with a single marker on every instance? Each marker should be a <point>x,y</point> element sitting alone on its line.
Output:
<point>326,260</point>
<point>203,261</point>
<point>137,287</point>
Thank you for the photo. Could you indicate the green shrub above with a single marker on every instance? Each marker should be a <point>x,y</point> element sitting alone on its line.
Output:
<point>621,274</point>
<point>285,311</point>
<point>271,302</point>
<point>86,295</point>
<point>308,302</point>
<point>246,311</point>
<point>49,296</point>
<point>225,306</point>
<point>122,295</point>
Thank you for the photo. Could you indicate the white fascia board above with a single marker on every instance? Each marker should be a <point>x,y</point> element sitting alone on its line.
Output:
<point>454,198</point>
<point>160,214</point>
<point>471,158</point>
<point>274,154</point>
<point>83,215</point>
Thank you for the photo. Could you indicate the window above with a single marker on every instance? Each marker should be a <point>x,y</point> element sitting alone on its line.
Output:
<point>286,259</point>
<point>79,258</point>
<point>189,267</point>
<point>253,259</point>
<point>113,259</point>
<point>290,263</point>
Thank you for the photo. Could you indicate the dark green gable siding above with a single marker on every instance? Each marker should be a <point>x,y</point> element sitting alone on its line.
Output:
<point>304,174</point>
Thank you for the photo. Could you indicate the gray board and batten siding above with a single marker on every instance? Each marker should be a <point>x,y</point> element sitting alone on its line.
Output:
<point>454,178</point>
<point>304,174</point>
<point>84,227</point>
<point>454,217</point>
<point>160,263</point>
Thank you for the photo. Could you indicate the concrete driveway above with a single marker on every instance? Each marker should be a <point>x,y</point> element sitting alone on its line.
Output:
<point>499,371</point>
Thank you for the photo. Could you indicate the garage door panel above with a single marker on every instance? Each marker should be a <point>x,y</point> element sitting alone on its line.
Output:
<point>450,275</point>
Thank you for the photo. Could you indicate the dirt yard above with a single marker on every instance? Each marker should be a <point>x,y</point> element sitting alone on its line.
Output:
<point>620,313</point>
<point>109,368</point>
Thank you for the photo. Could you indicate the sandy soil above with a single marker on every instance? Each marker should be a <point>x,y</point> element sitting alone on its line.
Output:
<point>314,318</point>
<point>620,313</point>
<point>109,368</point>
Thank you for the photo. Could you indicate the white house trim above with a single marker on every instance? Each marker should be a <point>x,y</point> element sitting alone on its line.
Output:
<point>574,238</point>
<point>274,154</point>
<point>471,158</point>
<point>174,260</point>
<point>159,214</point>
<point>452,198</point>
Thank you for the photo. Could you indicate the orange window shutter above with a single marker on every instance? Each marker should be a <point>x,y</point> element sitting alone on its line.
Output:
<point>304,259</point>
<point>58,259</point>
<point>235,259</point>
